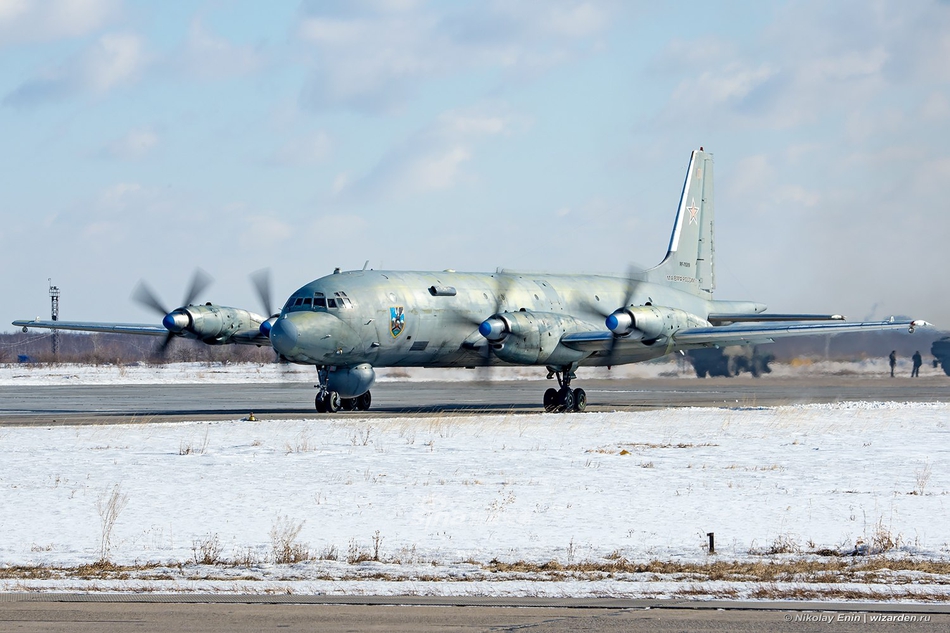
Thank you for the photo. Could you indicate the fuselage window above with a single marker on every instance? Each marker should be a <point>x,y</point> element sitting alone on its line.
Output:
<point>331,303</point>
<point>307,301</point>
<point>298,301</point>
<point>319,302</point>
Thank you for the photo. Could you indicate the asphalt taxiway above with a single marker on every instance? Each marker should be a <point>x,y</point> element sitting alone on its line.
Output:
<point>103,404</point>
<point>102,613</point>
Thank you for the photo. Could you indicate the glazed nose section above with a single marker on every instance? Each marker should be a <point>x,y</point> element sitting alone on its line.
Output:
<point>283,336</point>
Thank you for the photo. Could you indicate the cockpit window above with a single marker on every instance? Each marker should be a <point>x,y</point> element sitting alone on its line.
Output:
<point>319,301</point>
<point>342,300</point>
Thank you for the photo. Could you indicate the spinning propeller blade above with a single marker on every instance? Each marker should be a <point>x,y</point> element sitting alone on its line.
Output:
<point>144,295</point>
<point>261,280</point>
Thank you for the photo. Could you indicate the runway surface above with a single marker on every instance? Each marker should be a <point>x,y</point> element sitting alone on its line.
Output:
<point>98,404</point>
<point>237,614</point>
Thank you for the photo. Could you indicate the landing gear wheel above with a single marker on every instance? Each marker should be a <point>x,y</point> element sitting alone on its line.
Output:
<point>320,403</point>
<point>363,402</point>
<point>550,400</point>
<point>565,399</point>
<point>333,402</point>
<point>580,399</point>
<point>348,404</point>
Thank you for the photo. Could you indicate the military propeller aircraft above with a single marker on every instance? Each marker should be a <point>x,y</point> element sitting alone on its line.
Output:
<point>348,323</point>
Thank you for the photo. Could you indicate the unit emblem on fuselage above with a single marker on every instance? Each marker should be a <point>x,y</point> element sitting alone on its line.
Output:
<point>397,320</point>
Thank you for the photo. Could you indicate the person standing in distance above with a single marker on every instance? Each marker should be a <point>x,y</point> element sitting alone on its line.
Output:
<point>918,361</point>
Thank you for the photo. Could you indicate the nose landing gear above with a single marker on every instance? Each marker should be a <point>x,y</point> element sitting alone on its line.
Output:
<point>330,401</point>
<point>564,398</point>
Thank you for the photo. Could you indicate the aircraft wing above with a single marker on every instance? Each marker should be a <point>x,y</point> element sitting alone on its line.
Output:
<point>87,326</point>
<point>246,337</point>
<point>739,334</point>
<point>766,333</point>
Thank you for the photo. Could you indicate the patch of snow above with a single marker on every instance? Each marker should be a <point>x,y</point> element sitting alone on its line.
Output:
<point>442,497</point>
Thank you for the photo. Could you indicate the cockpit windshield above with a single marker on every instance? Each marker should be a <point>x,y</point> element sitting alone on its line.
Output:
<point>318,301</point>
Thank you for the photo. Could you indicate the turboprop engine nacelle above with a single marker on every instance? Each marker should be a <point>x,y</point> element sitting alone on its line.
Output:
<point>210,323</point>
<point>649,323</point>
<point>531,338</point>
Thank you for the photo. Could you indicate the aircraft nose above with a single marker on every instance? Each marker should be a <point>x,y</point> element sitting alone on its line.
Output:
<point>283,336</point>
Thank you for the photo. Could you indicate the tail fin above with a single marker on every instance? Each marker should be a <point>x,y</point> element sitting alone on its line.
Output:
<point>688,264</point>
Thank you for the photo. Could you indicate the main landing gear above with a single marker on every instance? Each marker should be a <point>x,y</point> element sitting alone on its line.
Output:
<point>564,398</point>
<point>330,401</point>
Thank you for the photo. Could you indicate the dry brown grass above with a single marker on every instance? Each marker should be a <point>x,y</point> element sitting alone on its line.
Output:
<point>807,570</point>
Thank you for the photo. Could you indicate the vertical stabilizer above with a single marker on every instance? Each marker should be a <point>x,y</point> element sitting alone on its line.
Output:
<point>688,264</point>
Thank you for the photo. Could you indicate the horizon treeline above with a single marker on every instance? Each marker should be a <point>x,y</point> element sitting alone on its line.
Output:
<point>36,346</point>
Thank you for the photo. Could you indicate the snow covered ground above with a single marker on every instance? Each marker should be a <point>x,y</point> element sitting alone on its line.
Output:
<point>615,504</point>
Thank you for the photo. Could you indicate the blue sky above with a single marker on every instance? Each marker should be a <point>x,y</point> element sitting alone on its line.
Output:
<point>141,140</point>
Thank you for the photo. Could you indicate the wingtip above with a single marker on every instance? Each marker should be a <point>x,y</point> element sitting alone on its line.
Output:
<point>916,323</point>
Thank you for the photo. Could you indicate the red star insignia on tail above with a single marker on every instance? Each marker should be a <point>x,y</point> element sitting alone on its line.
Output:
<point>693,210</point>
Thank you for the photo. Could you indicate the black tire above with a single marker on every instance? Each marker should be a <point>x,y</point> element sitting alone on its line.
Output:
<point>565,399</point>
<point>363,402</point>
<point>550,400</point>
<point>348,404</point>
<point>580,400</point>
<point>320,403</point>
<point>333,402</point>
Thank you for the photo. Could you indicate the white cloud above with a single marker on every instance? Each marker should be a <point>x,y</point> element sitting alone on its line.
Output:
<point>117,196</point>
<point>306,149</point>
<point>334,227</point>
<point>438,170</point>
<point>845,65</point>
<point>113,59</point>
<point>583,19</point>
<point>340,183</point>
<point>751,175</point>
<point>264,232</point>
<point>116,58</point>
<point>25,21</point>
<point>432,159</point>
<point>209,56</point>
<point>475,124</point>
<point>372,60</point>
<point>729,85</point>
<point>134,145</point>
<point>936,107</point>
<point>103,233</point>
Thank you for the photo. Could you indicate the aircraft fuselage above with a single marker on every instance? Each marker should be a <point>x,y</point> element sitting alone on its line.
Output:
<point>429,319</point>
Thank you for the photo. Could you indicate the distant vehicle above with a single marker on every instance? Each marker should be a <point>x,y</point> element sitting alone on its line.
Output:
<point>941,351</point>
<point>730,361</point>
